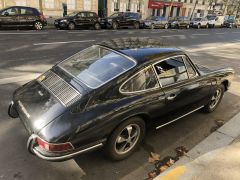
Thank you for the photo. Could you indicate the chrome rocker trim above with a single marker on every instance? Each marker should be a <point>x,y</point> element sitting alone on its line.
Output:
<point>179,117</point>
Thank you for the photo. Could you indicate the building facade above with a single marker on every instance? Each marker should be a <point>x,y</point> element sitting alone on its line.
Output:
<point>187,8</point>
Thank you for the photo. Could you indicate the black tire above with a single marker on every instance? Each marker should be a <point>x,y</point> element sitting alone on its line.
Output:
<point>199,26</point>
<point>166,26</point>
<point>38,25</point>
<point>210,107</point>
<point>136,25</point>
<point>112,146</point>
<point>97,26</point>
<point>207,26</point>
<point>152,26</point>
<point>115,25</point>
<point>187,26</point>
<point>71,26</point>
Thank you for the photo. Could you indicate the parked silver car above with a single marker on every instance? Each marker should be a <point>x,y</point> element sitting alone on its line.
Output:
<point>199,22</point>
<point>155,22</point>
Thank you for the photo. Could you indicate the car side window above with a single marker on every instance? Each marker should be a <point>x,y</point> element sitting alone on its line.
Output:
<point>26,11</point>
<point>82,15</point>
<point>171,71</point>
<point>10,11</point>
<point>143,80</point>
<point>191,72</point>
<point>91,14</point>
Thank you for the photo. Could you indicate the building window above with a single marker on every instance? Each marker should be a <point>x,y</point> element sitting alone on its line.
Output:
<point>138,7</point>
<point>203,2</point>
<point>179,0</point>
<point>191,1</point>
<point>185,1</point>
<point>71,4</point>
<point>21,3</point>
<point>116,5</point>
<point>49,4</point>
<point>87,5</point>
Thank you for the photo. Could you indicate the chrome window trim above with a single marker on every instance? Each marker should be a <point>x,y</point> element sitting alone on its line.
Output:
<point>141,91</point>
<point>182,55</point>
<point>191,64</point>
<point>104,47</point>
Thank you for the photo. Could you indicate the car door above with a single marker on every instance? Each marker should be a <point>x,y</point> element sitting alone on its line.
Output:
<point>81,19</point>
<point>125,19</point>
<point>26,16</point>
<point>185,90</point>
<point>92,18</point>
<point>10,17</point>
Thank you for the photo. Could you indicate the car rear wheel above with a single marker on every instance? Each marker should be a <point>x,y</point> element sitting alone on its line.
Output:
<point>38,25</point>
<point>207,26</point>
<point>136,25</point>
<point>187,27</point>
<point>199,26</point>
<point>215,99</point>
<point>115,25</point>
<point>166,26</point>
<point>152,26</point>
<point>71,26</point>
<point>125,139</point>
<point>97,26</point>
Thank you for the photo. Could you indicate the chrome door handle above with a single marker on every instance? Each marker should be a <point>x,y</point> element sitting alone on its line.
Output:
<point>171,97</point>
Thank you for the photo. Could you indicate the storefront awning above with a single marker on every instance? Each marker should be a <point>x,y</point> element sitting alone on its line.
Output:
<point>160,4</point>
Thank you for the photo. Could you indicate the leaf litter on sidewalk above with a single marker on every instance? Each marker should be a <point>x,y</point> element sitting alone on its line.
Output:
<point>160,165</point>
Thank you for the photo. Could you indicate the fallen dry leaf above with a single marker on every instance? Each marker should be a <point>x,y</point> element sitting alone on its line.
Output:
<point>153,157</point>
<point>170,162</point>
<point>181,151</point>
<point>152,175</point>
<point>163,168</point>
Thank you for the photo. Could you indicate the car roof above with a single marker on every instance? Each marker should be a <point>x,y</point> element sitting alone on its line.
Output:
<point>20,7</point>
<point>143,50</point>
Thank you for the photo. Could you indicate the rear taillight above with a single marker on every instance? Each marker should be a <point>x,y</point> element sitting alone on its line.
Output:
<point>54,147</point>
<point>42,17</point>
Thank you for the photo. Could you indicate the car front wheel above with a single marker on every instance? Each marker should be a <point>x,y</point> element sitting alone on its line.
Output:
<point>97,26</point>
<point>215,99</point>
<point>136,25</point>
<point>115,25</point>
<point>125,139</point>
<point>38,25</point>
<point>71,26</point>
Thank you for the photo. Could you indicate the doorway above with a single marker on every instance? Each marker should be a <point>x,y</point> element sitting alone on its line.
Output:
<point>102,8</point>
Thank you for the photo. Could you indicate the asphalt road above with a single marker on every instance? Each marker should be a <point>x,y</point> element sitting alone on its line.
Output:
<point>26,54</point>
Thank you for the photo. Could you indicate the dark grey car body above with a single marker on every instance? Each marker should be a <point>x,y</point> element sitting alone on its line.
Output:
<point>58,108</point>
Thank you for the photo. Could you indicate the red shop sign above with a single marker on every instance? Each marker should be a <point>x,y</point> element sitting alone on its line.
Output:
<point>159,4</point>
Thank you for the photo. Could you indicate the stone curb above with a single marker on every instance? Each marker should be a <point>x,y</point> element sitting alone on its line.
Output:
<point>222,137</point>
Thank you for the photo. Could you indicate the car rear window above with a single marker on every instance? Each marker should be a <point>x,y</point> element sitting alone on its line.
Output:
<point>97,65</point>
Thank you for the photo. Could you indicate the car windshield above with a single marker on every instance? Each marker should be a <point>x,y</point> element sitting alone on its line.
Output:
<point>97,65</point>
<point>211,17</point>
<point>197,19</point>
<point>115,14</point>
<point>73,14</point>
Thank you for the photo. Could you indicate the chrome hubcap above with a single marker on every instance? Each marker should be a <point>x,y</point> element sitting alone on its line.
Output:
<point>71,26</point>
<point>215,98</point>
<point>127,139</point>
<point>38,25</point>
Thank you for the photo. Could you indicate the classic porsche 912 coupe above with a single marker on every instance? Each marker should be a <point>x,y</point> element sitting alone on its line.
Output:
<point>108,94</point>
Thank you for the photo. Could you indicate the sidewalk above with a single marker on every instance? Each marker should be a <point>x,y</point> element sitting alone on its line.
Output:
<point>216,157</point>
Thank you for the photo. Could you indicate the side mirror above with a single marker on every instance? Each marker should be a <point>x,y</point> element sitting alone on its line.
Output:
<point>6,14</point>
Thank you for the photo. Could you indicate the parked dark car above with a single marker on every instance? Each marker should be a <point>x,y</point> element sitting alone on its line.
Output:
<point>122,19</point>
<point>179,22</point>
<point>82,19</point>
<point>21,16</point>
<point>155,22</point>
<point>108,94</point>
<point>231,23</point>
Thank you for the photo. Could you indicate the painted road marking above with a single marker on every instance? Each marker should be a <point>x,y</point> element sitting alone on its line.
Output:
<point>16,79</point>
<point>236,32</point>
<point>173,36</point>
<point>200,34</point>
<point>32,33</point>
<point>220,33</point>
<point>64,42</point>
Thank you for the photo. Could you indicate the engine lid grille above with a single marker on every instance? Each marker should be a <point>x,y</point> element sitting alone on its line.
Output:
<point>63,91</point>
